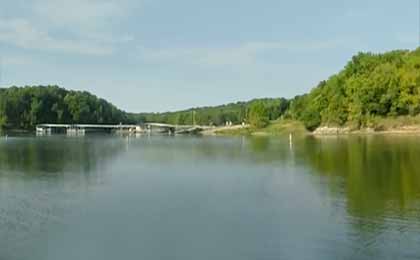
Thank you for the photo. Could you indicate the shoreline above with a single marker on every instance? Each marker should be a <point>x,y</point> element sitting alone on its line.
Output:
<point>282,128</point>
<point>343,131</point>
<point>278,128</point>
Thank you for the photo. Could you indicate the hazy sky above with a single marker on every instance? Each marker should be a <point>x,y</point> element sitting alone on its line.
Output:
<point>157,55</point>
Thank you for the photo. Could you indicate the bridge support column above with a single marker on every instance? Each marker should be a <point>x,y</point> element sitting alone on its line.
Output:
<point>43,131</point>
<point>72,131</point>
<point>171,131</point>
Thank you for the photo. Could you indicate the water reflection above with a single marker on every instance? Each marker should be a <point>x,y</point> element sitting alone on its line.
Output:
<point>41,180</point>
<point>55,155</point>
<point>346,197</point>
<point>378,174</point>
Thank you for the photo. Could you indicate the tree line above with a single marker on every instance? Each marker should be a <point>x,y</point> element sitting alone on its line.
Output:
<point>25,107</point>
<point>370,86</point>
<point>258,109</point>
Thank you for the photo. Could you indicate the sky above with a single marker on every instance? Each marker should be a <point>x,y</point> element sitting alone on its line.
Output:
<point>161,55</point>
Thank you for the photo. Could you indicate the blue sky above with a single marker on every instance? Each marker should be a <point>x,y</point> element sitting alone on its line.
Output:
<point>159,55</point>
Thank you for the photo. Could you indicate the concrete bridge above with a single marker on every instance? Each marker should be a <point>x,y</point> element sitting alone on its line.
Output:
<point>80,129</point>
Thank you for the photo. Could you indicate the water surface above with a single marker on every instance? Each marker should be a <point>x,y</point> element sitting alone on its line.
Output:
<point>108,197</point>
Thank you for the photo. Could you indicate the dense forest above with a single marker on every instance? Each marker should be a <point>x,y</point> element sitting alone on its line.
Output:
<point>370,86</point>
<point>218,115</point>
<point>23,108</point>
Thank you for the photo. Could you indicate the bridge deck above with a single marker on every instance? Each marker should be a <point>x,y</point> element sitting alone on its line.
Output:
<point>118,126</point>
<point>85,126</point>
<point>70,128</point>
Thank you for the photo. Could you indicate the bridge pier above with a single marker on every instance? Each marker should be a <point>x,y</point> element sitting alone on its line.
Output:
<point>43,130</point>
<point>171,131</point>
<point>72,131</point>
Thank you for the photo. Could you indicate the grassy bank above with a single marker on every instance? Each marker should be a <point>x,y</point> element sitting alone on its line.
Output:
<point>379,125</point>
<point>276,127</point>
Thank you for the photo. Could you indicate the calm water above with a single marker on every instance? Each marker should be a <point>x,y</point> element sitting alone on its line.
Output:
<point>104,197</point>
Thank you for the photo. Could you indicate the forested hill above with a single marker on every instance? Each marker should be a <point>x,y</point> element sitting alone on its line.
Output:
<point>371,86</point>
<point>23,108</point>
<point>218,115</point>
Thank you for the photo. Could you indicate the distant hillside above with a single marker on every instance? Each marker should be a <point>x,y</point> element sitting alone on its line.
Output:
<point>370,86</point>
<point>23,108</point>
<point>216,115</point>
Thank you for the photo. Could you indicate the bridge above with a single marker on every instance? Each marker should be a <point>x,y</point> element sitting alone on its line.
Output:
<point>80,129</point>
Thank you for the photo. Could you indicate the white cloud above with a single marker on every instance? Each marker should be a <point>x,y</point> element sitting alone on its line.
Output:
<point>83,14</point>
<point>203,56</point>
<point>244,54</point>
<point>68,26</point>
<point>23,34</point>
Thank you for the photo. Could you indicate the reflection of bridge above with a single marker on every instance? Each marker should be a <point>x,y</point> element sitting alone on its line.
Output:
<point>120,128</point>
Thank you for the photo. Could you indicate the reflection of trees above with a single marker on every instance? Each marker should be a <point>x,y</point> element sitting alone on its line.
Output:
<point>380,174</point>
<point>41,179</point>
<point>377,176</point>
<point>54,155</point>
<point>236,149</point>
<point>259,144</point>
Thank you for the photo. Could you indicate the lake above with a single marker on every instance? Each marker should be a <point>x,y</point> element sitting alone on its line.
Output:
<point>206,198</point>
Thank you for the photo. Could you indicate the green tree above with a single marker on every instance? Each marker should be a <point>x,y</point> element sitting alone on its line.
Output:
<point>258,115</point>
<point>27,106</point>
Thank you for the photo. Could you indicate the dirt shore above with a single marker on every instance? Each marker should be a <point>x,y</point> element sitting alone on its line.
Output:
<point>322,131</point>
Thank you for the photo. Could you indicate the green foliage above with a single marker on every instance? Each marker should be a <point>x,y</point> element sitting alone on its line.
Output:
<point>258,115</point>
<point>311,119</point>
<point>217,115</point>
<point>370,86</point>
<point>23,108</point>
